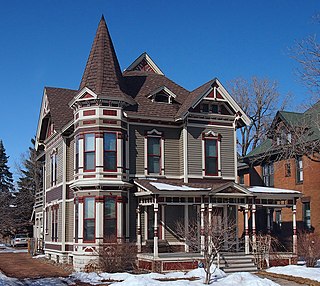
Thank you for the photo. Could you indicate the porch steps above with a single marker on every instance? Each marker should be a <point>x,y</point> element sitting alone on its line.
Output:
<point>237,262</point>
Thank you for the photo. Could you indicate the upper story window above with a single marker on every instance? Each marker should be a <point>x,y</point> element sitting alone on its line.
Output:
<point>211,151</point>
<point>89,152</point>
<point>110,151</point>
<point>154,155</point>
<point>268,174</point>
<point>306,214</point>
<point>211,157</point>
<point>299,170</point>
<point>53,169</point>
<point>210,108</point>
<point>154,145</point>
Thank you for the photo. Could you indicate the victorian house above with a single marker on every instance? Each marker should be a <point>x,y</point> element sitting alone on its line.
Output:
<point>130,153</point>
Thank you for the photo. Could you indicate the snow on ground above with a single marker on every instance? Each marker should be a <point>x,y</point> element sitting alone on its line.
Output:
<point>219,278</point>
<point>297,271</point>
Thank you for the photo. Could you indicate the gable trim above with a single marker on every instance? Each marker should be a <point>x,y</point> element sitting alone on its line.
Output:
<point>149,61</point>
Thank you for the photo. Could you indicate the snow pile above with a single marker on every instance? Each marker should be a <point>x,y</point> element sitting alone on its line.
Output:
<point>297,271</point>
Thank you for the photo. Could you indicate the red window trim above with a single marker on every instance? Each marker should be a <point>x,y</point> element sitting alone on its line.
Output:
<point>106,151</point>
<point>116,214</point>
<point>152,155</point>
<point>91,151</point>
<point>84,219</point>
<point>205,156</point>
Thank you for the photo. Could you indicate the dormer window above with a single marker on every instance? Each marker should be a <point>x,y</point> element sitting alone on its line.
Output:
<point>163,95</point>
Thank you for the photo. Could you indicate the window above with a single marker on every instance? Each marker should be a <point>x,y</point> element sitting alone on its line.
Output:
<point>77,156</point>
<point>47,221</point>
<point>89,219</point>
<point>110,152</point>
<point>161,97</point>
<point>287,167</point>
<point>268,175</point>
<point>76,220</point>
<point>54,223</point>
<point>306,214</point>
<point>110,217</point>
<point>154,155</point>
<point>299,170</point>
<point>241,179</point>
<point>211,157</point>
<point>53,169</point>
<point>89,152</point>
<point>278,219</point>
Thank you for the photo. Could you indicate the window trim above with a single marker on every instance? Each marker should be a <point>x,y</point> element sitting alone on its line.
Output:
<point>106,151</point>
<point>91,151</point>
<point>211,135</point>
<point>84,219</point>
<point>77,154</point>
<point>154,134</point>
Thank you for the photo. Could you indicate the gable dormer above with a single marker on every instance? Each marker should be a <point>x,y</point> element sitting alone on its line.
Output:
<point>163,95</point>
<point>144,63</point>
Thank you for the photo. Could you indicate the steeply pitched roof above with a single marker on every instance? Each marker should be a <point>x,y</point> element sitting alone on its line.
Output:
<point>291,117</point>
<point>102,73</point>
<point>263,148</point>
<point>60,111</point>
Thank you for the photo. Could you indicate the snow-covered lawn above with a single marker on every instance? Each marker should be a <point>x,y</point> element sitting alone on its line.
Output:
<point>297,271</point>
<point>173,279</point>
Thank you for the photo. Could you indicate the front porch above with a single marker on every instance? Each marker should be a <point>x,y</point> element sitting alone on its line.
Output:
<point>162,205</point>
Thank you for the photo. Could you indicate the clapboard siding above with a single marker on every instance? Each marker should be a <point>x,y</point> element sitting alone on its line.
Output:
<point>181,161</point>
<point>69,221</point>
<point>226,147</point>
<point>172,151</point>
<point>70,159</point>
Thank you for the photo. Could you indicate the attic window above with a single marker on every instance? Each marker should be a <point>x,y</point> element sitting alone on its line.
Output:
<point>163,95</point>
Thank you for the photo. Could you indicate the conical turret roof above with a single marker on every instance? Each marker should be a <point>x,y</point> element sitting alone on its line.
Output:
<point>102,73</point>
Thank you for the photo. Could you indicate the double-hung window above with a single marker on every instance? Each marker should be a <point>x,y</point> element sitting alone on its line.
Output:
<point>299,168</point>
<point>89,219</point>
<point>110,217</point>
<point>154,154</point>
<point>89,152</point>
<point>268,174</point>
<point>53,169</point>
<point>54,223</point>
<point>306,214</point>
<point>110,151</point>
<point>211,157</point>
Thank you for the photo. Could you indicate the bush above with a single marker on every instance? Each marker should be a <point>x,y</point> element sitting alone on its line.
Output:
<point>309,247</point>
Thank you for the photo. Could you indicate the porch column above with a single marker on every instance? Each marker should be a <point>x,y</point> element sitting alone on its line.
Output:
<point>202,238</point>
<point>138,210</point>
<point>186,226</point>
<point>246,230</point>
<point>253,214</point>
<point>162,221</point>
<point>294,224</point>
<point>99,218</point>
<point>155,237</point>
<point>268,221</point>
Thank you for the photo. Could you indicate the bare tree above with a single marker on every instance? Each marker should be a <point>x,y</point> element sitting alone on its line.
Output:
<point>215,238</point>
<point>309,247</point>
<point>260,100</point>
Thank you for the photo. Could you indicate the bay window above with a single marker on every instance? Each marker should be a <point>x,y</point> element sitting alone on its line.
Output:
<point>89,152</point>
<point>110,152</point>
<point>110,217</point>
<point>89,219</point>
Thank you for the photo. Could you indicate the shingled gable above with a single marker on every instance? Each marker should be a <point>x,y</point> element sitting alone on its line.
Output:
<point>55,106</point>
<point>144,63</point>
<point>102,73</point>
<point>203,91</point>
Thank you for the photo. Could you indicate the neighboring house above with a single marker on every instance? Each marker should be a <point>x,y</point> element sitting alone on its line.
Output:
<point>289,159</point>
<point>130,153</point>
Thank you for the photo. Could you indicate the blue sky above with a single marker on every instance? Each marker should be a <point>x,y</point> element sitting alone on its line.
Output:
<point>47,43</point>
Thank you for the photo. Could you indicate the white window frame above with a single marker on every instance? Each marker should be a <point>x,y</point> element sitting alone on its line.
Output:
<point>158,134</point>
<point>211,135</point>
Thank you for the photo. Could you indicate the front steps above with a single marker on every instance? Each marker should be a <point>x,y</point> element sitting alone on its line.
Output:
<point>237,262</point>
